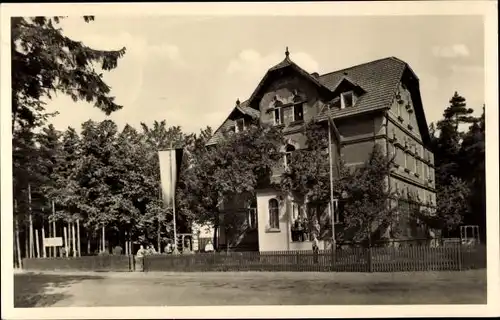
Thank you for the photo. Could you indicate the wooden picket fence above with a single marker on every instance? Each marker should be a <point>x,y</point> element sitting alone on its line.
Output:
<point>377,259</point>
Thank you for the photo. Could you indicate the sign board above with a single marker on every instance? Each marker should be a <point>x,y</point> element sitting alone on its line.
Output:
<point>53,242</point>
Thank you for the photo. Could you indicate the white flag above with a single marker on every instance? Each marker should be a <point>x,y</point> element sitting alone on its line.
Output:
<point>170,162</point>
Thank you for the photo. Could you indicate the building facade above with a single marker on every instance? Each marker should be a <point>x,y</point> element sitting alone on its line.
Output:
<point>373,103</point>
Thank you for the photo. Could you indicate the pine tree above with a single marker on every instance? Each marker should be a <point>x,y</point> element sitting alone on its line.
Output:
<point>45,61</point>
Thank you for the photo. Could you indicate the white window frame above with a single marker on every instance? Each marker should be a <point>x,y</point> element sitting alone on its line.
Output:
<point>280,113</point>
<point>270,214</point>
<point>298,105</point>
<point>236,125</point>
<point>342,99</point>
<point>287,155</point>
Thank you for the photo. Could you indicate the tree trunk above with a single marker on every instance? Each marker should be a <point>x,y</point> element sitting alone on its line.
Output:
<point>49,250</point>
<point>69,238</point>
<point>216,239</point>
<point>54,230</point>
<point>73,238</point>
<point>66,241</point>
<point>26,242</point>
<point>18,246</point>
<point>88,242</point>
<point>43,240</point>
<point>37,244</point>
<point>103,239</point>
<point>126,244</point>
<point>31,244</point>
<point>159,236</point>
<point>78,235</point>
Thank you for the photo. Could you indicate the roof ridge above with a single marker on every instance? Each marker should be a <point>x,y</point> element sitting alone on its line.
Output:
<point>362,64</point>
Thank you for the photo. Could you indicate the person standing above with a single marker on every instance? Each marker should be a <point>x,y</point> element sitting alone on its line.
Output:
<point>209,247</point>
<point>315,247</point>
<point>139,262</point>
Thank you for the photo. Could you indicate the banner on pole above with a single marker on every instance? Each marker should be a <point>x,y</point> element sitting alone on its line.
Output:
<point>170,163</point>
<point>53,242</point>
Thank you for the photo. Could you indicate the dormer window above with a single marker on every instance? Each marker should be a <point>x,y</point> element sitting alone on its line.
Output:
<point>347,99</point>
<point>298,112</point>
<point>240,125</point>
<point>277,116</point>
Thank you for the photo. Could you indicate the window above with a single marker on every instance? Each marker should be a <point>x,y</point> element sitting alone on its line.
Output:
<point>288,154</point>
<point>407,155</point>
<point>295,211</point>
<point>298,112</point>
<point>347,99</point>
<point>393,151</point>
<point>252,218</point>
<point>277,116</point>
<point>274,214</point>
<point>338,211</point>
<point>419,167</point>
<point>240,125</point>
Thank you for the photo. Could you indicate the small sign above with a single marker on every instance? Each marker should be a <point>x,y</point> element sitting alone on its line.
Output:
<point>53,242</point>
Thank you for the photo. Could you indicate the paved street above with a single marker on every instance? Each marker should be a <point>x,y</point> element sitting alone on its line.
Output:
<point>251,288</point>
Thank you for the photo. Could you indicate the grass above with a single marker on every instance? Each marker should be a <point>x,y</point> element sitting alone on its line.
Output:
<point>249,288</point>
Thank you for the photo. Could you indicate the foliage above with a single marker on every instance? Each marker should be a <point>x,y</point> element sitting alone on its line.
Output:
<point>45,61</point>
<point>367,209</point>
<point>451,205</point>
<point>310,181</point>
<point>240,163</point>
<point>459,160</point>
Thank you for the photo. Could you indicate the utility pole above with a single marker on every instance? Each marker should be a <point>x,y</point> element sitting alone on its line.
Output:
<point>330,156</point>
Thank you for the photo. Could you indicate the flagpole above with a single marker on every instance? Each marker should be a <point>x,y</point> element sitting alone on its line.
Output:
<point>332,209</point>
<point>173,204</point>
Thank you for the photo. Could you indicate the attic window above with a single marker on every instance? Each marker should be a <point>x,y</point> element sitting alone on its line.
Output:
<point>298,112</point>
<point>347,99</point>
<point>240,125</point>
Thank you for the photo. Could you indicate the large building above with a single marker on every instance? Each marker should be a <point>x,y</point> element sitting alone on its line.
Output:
<point>375,102</point>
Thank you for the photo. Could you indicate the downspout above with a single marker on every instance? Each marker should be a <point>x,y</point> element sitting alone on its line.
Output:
<point>288,225</point>
<point>387,152</point>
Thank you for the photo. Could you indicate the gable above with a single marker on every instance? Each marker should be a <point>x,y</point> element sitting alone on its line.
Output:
<point>285,69</point>
<point>241,110</point>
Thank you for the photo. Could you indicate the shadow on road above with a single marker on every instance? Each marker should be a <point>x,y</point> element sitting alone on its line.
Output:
<point>34,290</point>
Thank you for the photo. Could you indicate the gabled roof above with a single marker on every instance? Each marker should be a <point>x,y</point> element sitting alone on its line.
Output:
<point>243,108</point>
<point>353,83</point>
<point>284,64</point>
<point>378,79</point>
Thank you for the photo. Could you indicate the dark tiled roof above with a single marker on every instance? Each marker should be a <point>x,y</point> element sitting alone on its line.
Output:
<point>379,79</point>
<point>244,108</point>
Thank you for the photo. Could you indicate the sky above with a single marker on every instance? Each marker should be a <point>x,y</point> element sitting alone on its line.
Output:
<point>190,70</point>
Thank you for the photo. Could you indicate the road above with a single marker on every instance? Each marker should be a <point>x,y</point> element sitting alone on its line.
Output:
<point>247,288</point>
